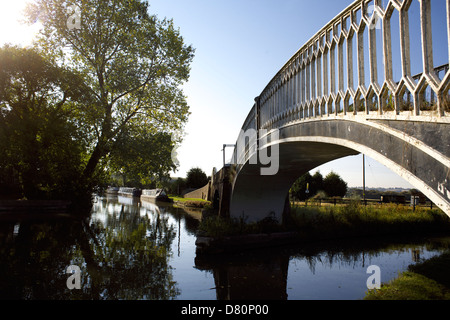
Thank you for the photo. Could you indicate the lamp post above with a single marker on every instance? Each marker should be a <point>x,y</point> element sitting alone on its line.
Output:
<point>364,179</point>
<point>225,146</point>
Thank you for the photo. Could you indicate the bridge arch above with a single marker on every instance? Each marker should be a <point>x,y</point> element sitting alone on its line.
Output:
<point>304,146</point>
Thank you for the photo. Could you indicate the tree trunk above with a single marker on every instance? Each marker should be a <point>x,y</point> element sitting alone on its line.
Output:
<point>100,149</point>
<point>92,163</point>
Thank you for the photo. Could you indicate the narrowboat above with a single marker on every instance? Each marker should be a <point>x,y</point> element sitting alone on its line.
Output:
<point>154,195</point>
<point>114,191</point>
<point>129,192</point>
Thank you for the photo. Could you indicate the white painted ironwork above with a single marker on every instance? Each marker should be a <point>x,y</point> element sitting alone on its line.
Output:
<point>346,69</point>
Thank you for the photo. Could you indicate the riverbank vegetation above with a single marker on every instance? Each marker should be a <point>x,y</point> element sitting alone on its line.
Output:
<point>328,222</point>
<point>429,280</point>
<point>190,202</point>
<point>356,219</point>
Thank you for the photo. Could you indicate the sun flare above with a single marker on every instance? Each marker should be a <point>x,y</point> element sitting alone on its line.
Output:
<point>13,29</point>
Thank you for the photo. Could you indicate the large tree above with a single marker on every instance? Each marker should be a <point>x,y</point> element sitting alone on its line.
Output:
<point>132,65</point>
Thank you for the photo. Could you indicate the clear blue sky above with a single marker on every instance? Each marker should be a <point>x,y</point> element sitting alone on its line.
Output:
<point>240,45</point>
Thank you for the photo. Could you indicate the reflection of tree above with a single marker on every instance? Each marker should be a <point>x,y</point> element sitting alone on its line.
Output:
<point>360,254</point>
<point>32,264</point>
<point>124,256</point>
<point>128,257</point>
<point>263,274</point>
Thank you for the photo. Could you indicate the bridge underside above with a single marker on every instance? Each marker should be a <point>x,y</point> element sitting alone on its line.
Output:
<point>257,196</point>
<point>422,160</point>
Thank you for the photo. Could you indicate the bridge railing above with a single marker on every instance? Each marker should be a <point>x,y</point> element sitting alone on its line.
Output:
<point>376,59</point>
<point>347,67</point>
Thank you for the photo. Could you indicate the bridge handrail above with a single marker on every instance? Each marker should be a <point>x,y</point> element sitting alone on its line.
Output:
<point>301,89</point>
<point>307,44</point>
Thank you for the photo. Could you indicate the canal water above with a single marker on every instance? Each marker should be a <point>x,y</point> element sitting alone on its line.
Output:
<point>128,249</point>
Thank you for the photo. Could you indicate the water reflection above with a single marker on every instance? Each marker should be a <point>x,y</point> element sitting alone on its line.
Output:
<point>256,276</point>
<point>123,252</point>
<point>128,249</point>
<point>33,257</point>
<point>128,252</point>
<point>319,271</point>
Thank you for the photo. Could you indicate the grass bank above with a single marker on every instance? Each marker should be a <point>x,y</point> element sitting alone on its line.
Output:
<point>337,222</point>
<point>358,220</point>
<point>429,280</point>
<point>190,202</point>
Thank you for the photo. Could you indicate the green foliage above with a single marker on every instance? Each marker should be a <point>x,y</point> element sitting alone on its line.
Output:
<point>196,203</point>
<point>218,227</point>
<point>196,178</point>
<point>428,280</point>
<point>177,186</point>
<point>42,150</point>
<point>410,286</point>
<point>334,186</point>
<point>358,220</point>
<point>182,199</point>
<point>85,101</point>
<point>313,184</point>
<point>142,157</point>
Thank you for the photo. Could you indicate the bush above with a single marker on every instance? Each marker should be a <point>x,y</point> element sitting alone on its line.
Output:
<point>334,186</point>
